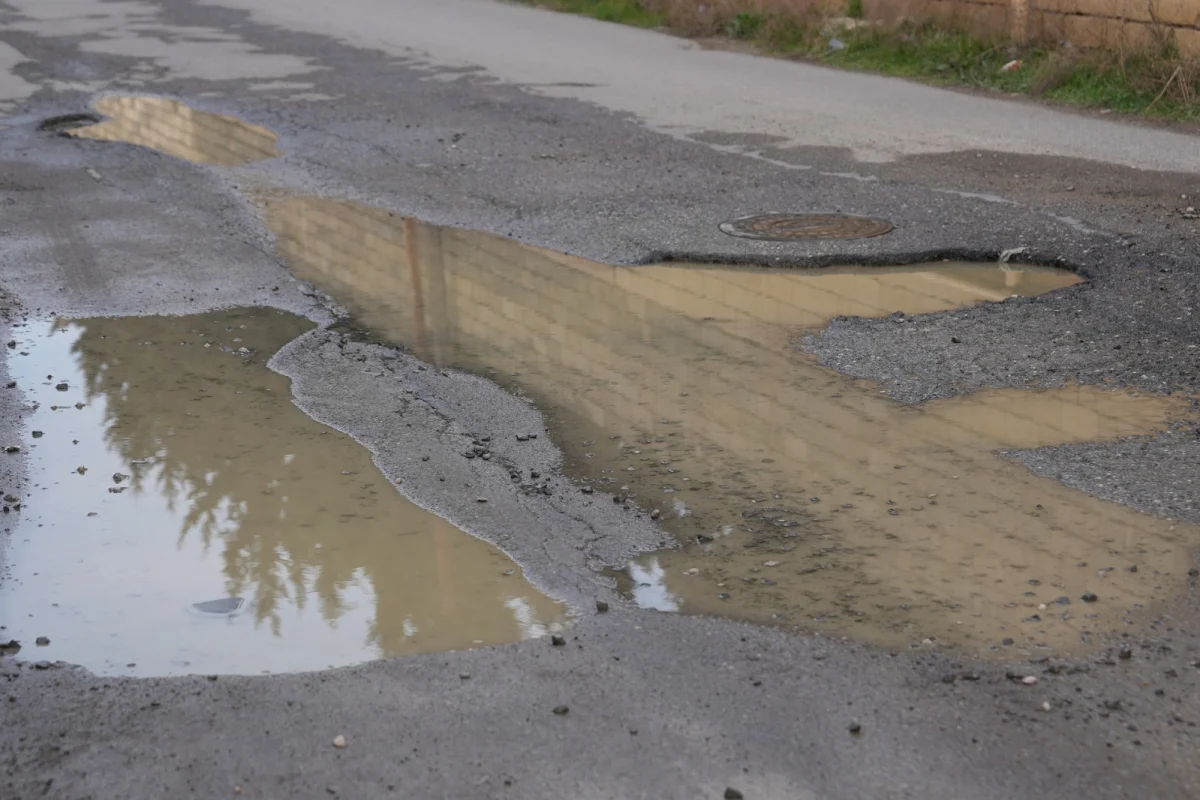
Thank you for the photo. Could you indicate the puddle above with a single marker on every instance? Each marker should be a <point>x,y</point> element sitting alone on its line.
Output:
<point>803,497</point>
<point>186,517</point>
<point>180,131</point>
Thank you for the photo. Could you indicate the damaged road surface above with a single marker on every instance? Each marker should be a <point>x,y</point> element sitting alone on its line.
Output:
<point>387,412</point>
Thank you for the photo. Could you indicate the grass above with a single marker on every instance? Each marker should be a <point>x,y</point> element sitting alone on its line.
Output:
<point>1155,83</point>
<point>627,12</point>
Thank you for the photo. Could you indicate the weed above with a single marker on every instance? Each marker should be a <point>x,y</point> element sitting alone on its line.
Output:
<point>1157,81</point>
<point>745,25</point>
<point>628,12</point>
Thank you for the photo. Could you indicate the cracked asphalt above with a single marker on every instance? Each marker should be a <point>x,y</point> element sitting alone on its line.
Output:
<point>627,147</point>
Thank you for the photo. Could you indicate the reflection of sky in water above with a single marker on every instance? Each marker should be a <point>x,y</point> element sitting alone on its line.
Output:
<point>649,586</point>
<point>111,576</point>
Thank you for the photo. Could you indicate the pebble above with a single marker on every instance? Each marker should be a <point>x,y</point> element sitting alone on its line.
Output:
<point>62,387</point>
<point>557,641</point>
<point>38,434</point>
<point>1029,680</point>
<point>1125,652</point>
<point>1089,597</point>
<point>733,794</point>
<point>855,728</point>
<point>601,607</point>
<point>42,641</point>
<point>339,741</point>
<point>1045,705</point>
<point>561,710</point>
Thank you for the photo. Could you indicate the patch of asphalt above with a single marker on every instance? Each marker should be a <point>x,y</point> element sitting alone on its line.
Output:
<point>1166,482</point>
<point>95,230</point>
<point>616,714</point>
<point>419,422</point>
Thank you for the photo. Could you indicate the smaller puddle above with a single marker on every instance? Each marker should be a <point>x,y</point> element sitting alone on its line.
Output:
<point>185,516</point>
<point>173,128</point>
<point>802,497</point>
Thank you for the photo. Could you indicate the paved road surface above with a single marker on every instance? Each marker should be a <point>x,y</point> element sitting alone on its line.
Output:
<point>623,146</point>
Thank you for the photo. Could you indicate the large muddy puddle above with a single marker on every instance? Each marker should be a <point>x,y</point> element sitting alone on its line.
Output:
<point>185,516</point>
<point>800,496</point>
<point>173,128</point>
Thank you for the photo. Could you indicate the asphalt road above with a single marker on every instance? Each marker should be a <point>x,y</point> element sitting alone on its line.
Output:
<point>628,147</point>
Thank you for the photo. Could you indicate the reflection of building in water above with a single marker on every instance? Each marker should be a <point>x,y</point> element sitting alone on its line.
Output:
<point>894,518</point>
<point>180,131</point>
<point>297,510</point>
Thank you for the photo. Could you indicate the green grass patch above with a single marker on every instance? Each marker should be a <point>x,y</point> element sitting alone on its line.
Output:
<point>627,12</point>
<point>1157,84</point>
<point>1140,84</point>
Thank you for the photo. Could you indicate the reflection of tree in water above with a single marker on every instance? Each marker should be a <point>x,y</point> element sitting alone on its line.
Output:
<point>163,388</point>
<point>296,507</point>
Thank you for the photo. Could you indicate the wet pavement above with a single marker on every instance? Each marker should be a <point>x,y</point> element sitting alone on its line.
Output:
<point>185,517</point>
<point>801,497</point>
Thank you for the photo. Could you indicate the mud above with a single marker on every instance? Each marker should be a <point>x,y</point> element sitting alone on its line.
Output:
<point>185,517</point>
<point>802,497</point>
<point>173,128</point>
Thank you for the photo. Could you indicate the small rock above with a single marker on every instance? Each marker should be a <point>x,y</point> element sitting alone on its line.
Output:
<point>62,387</point>
<point>42,665</point>
<point>12,448</point>
<point>723,596</point>
<point>465,676</point>
<point>78,406</point>
<point>1125,652</point>
<point>655,514</point>
<point>12,384</point>
<point>557,641</point>
<point>42,641</point>
<point>733,794</point>
<point>1089,597</point>
<point>601,607</point>
<point>855,728</point>
<point>481,499</point>
<point>561,710</point>
<point>1045,705</point>
<point>81,470</point>
<point>1194,571</point>
<point>1029,680</point>
<point>38,434</point>
<point>339,741</point>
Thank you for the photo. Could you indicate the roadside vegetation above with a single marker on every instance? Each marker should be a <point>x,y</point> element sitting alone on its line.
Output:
<point>1154,82</point>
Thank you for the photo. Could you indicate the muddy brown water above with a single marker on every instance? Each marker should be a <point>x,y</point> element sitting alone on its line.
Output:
<point>186,517</point>
<point>800,496</point>
<point>178,130</point>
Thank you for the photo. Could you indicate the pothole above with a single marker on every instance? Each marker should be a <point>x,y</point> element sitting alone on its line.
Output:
<point>173,128</point>
<point>184,516</point>
<point>67,122</point>
<point>803,497</point>
<point>790,227</point>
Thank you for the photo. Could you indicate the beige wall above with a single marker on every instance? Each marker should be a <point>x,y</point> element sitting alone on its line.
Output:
<point>1116,24</point>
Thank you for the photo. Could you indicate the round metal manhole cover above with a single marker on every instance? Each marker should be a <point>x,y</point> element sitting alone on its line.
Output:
<point>787,227</point>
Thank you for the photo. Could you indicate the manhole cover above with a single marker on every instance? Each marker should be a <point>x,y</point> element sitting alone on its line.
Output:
<point>786,227</point>
<point>67,122</point>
